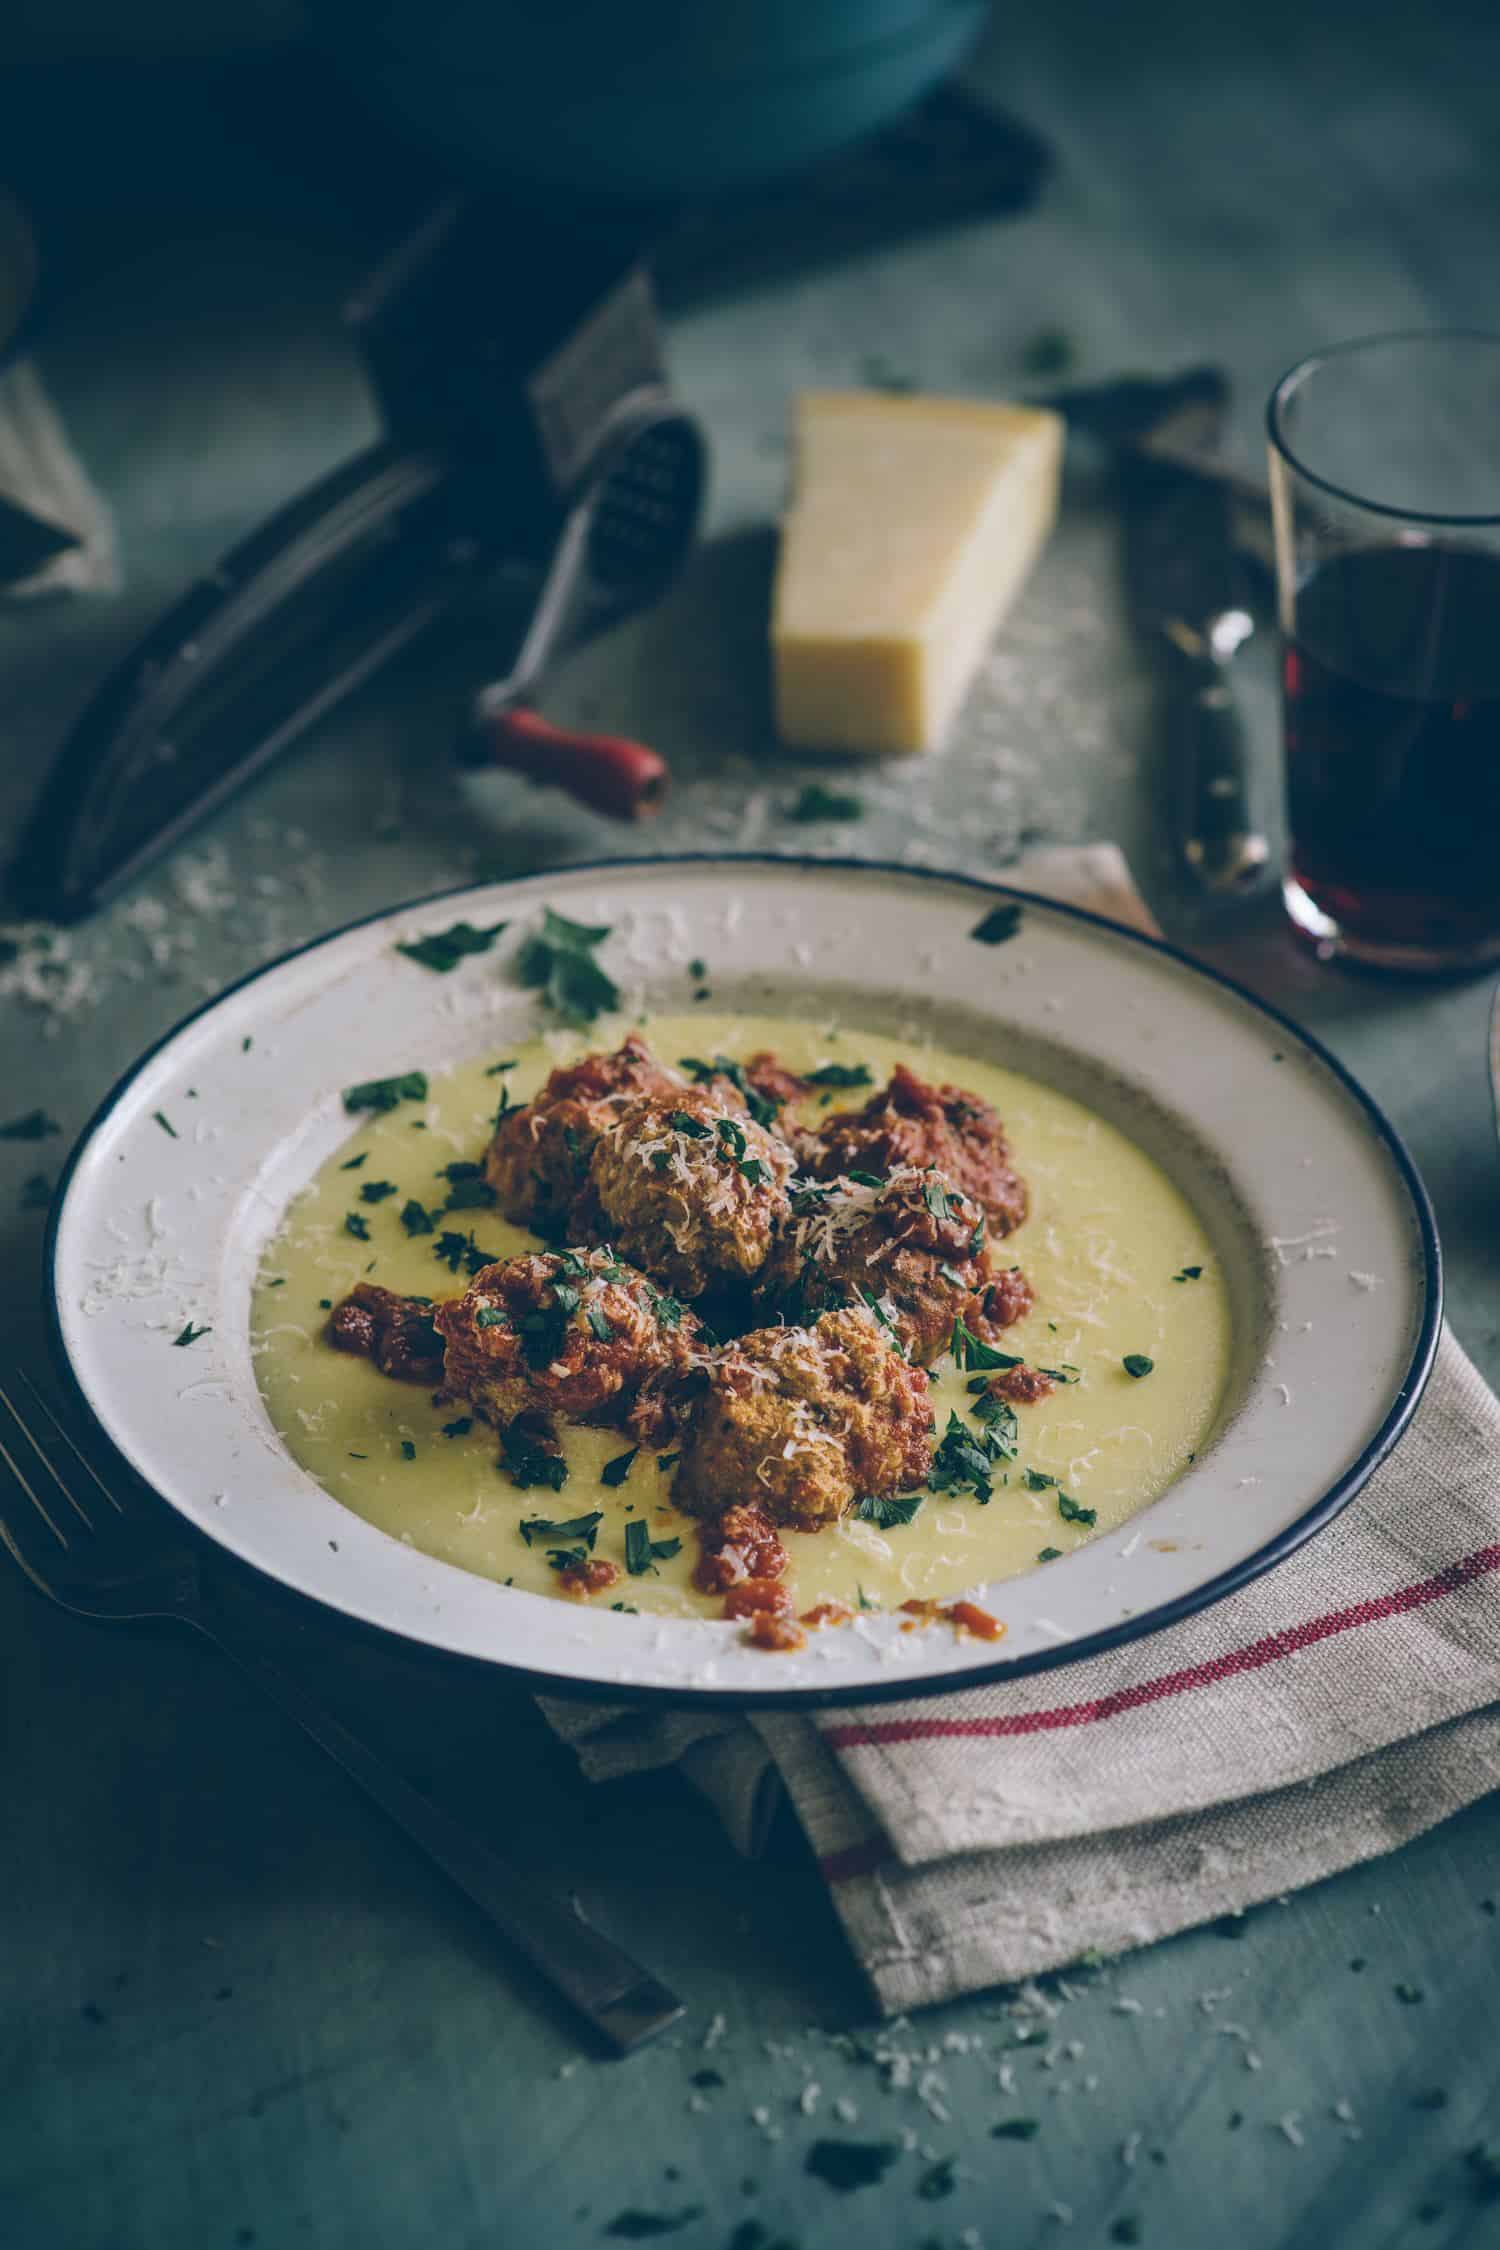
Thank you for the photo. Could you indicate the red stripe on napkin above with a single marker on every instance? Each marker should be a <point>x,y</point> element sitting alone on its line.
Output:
<point>1251,1658</point>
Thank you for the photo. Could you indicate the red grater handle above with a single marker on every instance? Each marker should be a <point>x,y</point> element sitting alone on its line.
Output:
<point>606,771</point>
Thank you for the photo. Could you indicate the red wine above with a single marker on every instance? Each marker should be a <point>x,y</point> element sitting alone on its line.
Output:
<point>1392,714</point>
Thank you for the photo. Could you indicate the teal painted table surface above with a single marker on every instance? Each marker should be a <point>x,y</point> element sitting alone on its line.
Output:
<point>238,2011</point>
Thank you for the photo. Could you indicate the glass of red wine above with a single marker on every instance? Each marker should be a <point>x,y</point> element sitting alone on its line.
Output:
<point>1385,491</point>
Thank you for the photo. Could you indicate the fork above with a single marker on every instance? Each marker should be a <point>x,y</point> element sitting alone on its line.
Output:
<point>82,1545</point>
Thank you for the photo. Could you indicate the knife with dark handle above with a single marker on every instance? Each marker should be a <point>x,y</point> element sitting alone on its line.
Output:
<point>1211,760</point>
<point>1185,586</point>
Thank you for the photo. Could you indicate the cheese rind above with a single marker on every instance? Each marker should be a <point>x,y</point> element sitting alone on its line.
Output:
<point>914,523</point>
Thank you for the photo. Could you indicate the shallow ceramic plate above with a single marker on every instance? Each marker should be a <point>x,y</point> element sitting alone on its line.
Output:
<point>1323,1229</point>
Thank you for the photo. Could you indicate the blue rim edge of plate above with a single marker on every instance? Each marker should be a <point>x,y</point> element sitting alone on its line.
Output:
<point>905,1690</point>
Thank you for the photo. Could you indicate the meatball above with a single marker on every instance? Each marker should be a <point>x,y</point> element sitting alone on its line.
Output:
<point>397,1333</point>
<point>805,1421</point>
<point>572,1336</point>
<point>691,1188</point>
<point>772,1081</point>
<point>539,1157</point>
<point>911,1123</point>
<point>912,1247</point>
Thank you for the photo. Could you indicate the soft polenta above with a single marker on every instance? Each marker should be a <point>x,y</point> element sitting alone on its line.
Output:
<point>1129,1323</point>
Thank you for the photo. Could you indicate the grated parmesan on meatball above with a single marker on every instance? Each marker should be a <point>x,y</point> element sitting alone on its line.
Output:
<point>571,1336</point>
<point>538,1161</point>
<point>912,1247</point>
<point>805,1421</point>
<point>911,1124</point>
<point>690,1187</point>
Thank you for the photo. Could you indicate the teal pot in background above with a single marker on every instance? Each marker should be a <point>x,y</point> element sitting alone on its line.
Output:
<point>641,100</point>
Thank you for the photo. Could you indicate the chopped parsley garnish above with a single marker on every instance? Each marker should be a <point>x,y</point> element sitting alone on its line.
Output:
<point>560,960</point>
<point>846,2165</point>
<point>628,1608</point>
<point>355,1162</point>
<point>460,1428</point>
<point>642,1552</point>
<point>863,1179</point>
<point>567,1558</point>
<point>498,1070</point>
<point>1137,1364</point>
<point>164,1122</point>
<point>841,1074</point>
<point>864,1599</point>
<point>534,1465</point>
<point>1037,1480</point>
<point>598,1320</point>
<point>669,1311</point>
<point>665,1461</point>
<point>1002,1430</point>
<point>939,2180</point>
<point>457,1250</point>
<point>376,1191</point>
<point>818,803</point>
<point>970,1351</point>
<point>585,1528</point>
<point>542,1331</point>
<point>935,1196</point>
<point>414,1218</point>
<point>1188,1273</point>
<point>1049,1554</point>
<point>446,948</point>
<point>733,1137</point>
<point>691,1128</point>
<point>760,1106</point>
<point>962,1459</point>
<point>382,1094</point>
<point>885,1320</point>
<point>190,1335</point>
<point>1015,2129</point>
<point>617,1470</point>
<point>491,1316</point>
<point>358,1225</point>
<point>1067,1373</point>
<point>886,1514</point>
<point>408,1450</point>
<point>468,1190</point>
<point>753,1170</point>
<point>565,1295</point>
<point>642,2226</point>
<point>1000,923</point>
<point>1072,1512</point>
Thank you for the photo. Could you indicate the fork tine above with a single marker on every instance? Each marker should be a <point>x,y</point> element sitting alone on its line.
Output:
<point>21,1561</point>
<point>68,1439</point>
<point>79,1510</point>
<point>33,1495</point>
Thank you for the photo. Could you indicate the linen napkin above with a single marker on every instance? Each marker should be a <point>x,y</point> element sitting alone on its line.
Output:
<point>1321,1716</point>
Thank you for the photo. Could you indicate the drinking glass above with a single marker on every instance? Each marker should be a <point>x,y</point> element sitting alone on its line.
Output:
<point>1385,492</point>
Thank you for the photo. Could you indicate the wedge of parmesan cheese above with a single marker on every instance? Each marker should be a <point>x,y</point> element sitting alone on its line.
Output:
<point>913,525</point>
